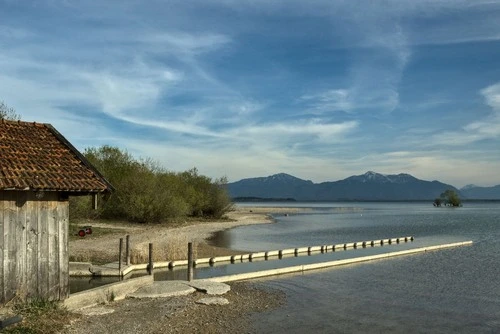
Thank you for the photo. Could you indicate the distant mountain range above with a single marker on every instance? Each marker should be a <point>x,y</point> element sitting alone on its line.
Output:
<point>474,192</point>
<point>370,186</point>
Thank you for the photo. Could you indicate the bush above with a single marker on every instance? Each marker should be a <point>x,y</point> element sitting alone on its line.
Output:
<point>148,193</point>
<point>450,198</point>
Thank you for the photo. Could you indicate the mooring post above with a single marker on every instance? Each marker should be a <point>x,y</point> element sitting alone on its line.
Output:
<point>150,265</point>
<point>120,258</point>
<point>190,262</point>
<point>127,249</point>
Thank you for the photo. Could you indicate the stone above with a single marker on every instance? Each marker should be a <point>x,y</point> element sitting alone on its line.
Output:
<point>213,301</point>
<point>209,287</point>
<point>6,321</point>
<point>163,289</point>
<point>92,311</point>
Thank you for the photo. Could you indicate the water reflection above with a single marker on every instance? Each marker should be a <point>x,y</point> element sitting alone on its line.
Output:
<point>77,284</point>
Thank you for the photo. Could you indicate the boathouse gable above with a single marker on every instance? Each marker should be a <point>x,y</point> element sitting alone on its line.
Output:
<point>39,170</point>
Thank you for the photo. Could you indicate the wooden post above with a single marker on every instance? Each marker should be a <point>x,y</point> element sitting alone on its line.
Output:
<point>127,249</point>
<point>150,265</point>
<point>190,262</point>
<point>94,201</point>
<point>120,258</point>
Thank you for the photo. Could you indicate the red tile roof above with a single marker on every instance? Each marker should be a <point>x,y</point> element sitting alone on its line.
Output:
<point>36,156</point>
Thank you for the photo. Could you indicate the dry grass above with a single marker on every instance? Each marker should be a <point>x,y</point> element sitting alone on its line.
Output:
<point>41,316</point>
<point>169,242</point>
<point>95,257</point>
<point>175,248</point>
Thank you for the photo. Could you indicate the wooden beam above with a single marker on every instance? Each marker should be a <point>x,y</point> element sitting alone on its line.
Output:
<point>94,201</point>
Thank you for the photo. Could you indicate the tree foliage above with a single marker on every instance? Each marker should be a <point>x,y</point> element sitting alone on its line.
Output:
<point>449,198</point>
<point>7,112</point>
<point>146,192</point>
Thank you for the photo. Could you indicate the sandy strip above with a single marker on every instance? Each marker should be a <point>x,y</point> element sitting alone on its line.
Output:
<point>169,242</point>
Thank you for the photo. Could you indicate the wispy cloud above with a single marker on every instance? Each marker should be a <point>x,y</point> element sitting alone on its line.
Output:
<point>492,96</point>
<point>184,43</point>
<point>244,88</point>
<point>328,101</point>
<point>312,127</point>
<point>487,128</point>
<point>456,167</point>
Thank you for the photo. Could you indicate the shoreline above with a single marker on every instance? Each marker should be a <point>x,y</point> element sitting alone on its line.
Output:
<point>169,242</point>
<point>181,314</point>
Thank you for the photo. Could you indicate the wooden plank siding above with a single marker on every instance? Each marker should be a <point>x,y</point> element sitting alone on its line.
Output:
<point>32,242</point>
<point>63,214</point>
<point>10,254</point>
<point>2,245</point>
<point>33,246</point>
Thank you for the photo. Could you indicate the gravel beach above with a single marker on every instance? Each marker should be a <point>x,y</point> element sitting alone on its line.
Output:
<point>179,314</point>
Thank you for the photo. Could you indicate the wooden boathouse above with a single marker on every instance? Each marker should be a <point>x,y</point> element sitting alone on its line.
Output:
<point>39,170</point>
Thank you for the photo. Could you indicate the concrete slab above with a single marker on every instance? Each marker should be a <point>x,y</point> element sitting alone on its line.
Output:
<point>106,293</point>
<point>163,289</point>
<point>80,269</point>
<point>213,301</point>
<point>110,269</point>
<point>209,287</point>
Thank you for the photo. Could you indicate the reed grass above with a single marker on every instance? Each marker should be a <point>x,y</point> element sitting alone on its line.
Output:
<point>175,248</point>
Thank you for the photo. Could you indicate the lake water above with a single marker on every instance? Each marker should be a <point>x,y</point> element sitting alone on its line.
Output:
<point>448,291</point>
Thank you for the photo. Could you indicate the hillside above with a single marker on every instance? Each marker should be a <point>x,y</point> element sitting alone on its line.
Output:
<point>370,186</point>
<point>484,193</point>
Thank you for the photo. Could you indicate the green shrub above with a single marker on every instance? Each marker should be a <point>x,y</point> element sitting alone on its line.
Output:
<point>146,192</point>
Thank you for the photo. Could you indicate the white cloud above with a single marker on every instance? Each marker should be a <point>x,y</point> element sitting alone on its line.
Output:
<point>246,108</point>
<point>187,43</point>
<point>455,167</point>
<point>116,93</point>
<point>294,131</point>
<point>486,128</point>
<point>166,73</point>
<point>330,100</point>
<point>359,97</point>
<point>237,161</point>
<point>492,96</point>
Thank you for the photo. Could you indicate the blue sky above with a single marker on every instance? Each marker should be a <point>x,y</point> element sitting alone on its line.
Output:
<point>318,89</point>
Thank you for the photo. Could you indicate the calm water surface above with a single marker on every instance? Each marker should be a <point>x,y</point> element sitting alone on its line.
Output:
<point>448,291</point>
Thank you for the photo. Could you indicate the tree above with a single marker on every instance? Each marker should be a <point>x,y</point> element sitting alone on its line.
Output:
<point>147,193</point>
<point>7,112</point>
<point>450,197</point>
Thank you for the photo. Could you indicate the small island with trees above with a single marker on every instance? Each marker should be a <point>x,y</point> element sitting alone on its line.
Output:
<point>448,198</point>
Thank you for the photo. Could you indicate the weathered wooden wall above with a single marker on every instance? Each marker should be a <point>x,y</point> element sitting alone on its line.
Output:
<point>34,260</point>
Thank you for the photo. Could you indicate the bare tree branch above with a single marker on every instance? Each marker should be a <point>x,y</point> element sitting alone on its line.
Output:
<point>7,112</point>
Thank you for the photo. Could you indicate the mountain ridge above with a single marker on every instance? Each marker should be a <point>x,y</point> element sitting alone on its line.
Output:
<point>481,193</point>
<point>369,186</point>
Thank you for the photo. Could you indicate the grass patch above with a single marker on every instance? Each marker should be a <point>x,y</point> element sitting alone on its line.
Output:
<point>175,248</point>
<point>40,316</point>
<point>96,258</point>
